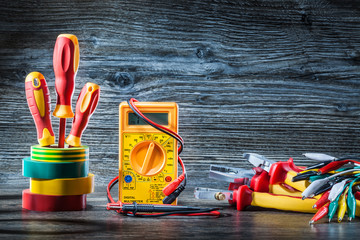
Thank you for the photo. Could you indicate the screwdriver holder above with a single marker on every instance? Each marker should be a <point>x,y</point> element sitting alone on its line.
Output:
<point>59,178</point>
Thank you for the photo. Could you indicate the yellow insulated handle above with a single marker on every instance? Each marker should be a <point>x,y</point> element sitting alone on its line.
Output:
<point>282,202</point>
<point>63,186</point>
<point>278,189</point>
<point>299,185</point>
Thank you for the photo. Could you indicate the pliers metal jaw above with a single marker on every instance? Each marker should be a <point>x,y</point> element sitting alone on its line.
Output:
<point>230,174</point>
<point>259,161</point>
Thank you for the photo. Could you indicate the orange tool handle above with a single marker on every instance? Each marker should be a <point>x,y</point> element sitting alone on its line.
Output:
<point>85,107</point>
<point>38,99</point>
<point>66,62</point>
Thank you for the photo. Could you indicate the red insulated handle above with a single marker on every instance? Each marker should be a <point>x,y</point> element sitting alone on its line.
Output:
<point>260,181</point>
<point>66,62</point>
<point>85,107</point>
<point>242,197</point>
<point>279,170</point>
<point>38,99</point>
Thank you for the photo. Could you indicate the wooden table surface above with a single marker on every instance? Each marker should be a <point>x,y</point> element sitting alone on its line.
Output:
<point>278,78</point>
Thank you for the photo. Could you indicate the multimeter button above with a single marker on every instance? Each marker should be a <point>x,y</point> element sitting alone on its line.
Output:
<point>168,179</point>
<point>128,179</point>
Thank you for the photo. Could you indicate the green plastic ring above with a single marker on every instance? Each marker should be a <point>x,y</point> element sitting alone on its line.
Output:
<point>51,170</point>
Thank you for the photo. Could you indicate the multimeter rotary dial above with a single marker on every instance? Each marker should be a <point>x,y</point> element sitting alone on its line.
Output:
<point>148,158</point>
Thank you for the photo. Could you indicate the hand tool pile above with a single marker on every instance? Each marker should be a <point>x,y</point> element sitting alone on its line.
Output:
<point>59,175</point>
<point>325,188</point>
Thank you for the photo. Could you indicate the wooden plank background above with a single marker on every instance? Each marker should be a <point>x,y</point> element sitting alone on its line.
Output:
<point>278,78</point>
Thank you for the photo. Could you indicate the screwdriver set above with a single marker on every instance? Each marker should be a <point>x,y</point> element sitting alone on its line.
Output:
<point>323,189</point>
<point>59,174</point>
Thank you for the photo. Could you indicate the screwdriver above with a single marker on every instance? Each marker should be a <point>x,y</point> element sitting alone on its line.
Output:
<point>66,62</point>
<point>38,99</point>
<point>85,107</point>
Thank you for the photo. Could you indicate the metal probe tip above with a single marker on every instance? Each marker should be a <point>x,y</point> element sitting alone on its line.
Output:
<point>303,198</point>
<point>311,222</point>
<point>314,206</point>
<point>349,219</point>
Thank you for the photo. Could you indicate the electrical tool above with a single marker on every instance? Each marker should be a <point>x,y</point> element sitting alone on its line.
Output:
<point>330,188</point>
<point>280,172</point>
<point>85,107</point>
<point>66,62</point>
<point>243,197</point>
<point>38,99</point>
<point>147,156</point>
<point>257,179</point>
<point>148,162</point>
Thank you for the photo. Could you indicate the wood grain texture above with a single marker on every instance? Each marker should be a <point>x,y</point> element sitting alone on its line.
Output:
<point>279,78</point>
<point>96,223</point>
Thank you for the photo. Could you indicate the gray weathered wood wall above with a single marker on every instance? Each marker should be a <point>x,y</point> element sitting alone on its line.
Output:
<point>274,77</point>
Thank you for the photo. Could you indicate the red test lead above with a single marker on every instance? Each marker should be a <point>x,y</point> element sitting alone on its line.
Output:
<point>85,107</point>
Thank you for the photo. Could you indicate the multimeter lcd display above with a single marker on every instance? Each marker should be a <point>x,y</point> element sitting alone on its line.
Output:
<point>159,118</point>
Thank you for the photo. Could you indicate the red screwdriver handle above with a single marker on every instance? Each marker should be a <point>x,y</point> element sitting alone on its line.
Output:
<point>85,107</point>
<point>38,99</point>
<point>66,62</point>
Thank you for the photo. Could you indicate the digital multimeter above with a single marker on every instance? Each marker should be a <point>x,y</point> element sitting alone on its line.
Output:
<point>147,156</point>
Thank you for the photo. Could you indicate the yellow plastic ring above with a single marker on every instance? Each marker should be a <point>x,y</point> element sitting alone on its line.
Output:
<point>63,186</point>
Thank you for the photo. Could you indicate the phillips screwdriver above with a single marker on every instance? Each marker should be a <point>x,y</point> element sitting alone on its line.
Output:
<point>85,107</point>
<point>66,62</point>
<point>38,99</point>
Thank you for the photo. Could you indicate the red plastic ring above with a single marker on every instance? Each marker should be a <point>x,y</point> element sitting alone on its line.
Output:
<point>49,203</point>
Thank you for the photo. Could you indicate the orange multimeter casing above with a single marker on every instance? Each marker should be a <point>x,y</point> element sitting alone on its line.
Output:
<point>147,156</point>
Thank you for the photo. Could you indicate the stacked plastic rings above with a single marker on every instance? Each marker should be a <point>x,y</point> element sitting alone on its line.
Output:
<point>59,179</point>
